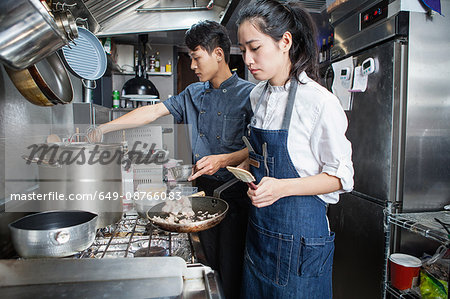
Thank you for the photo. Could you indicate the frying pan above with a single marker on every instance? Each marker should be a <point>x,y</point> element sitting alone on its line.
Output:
<point>46,83</point>
<point>209,204</point>
<point>143,205</point>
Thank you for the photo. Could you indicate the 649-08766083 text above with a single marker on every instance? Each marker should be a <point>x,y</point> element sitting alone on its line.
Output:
<point>103,196</point>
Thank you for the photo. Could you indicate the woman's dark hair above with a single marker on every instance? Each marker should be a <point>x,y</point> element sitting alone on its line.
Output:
<point>274,18</point>
<point>208,35</point>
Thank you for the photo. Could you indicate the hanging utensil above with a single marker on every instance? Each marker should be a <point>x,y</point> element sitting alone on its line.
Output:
<point>46,83</point>
<point>243,175</point>
<point>86,59</point>
<point>29,33</point>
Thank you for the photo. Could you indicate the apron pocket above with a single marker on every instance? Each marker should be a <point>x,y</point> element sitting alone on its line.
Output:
<point>233,129</point>
<point>269,252</point>
<point>316,256</point>
<point>259,159</point>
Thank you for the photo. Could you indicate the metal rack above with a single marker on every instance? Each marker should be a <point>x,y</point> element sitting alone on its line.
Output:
<point>399,294</point>
<point>424,224</point>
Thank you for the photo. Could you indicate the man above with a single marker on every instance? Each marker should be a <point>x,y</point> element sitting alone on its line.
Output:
<point>218,109</point>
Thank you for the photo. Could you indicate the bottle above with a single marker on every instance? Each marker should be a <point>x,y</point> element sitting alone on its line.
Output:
<point>116,99</point>
<point>157,63</point>
<point>322,51</point>
<point>169,67</point>
<point>107,45</point>
<point>152,63</point>
<point>330,46</point>
<point>136,61</point>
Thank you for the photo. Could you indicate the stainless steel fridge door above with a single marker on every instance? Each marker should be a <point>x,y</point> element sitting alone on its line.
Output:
<point>427,129</point>
<point>359,248</point>
<point>374,122</point>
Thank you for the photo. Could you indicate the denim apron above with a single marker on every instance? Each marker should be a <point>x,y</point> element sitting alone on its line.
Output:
<point>289,249</point>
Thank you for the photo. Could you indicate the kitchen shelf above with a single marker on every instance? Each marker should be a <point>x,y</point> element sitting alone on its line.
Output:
<point>409,294</point>
<point>424,224</point>
<point>148,73</point>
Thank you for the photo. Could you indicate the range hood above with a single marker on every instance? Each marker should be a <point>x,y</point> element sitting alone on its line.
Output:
<point>121,17</point>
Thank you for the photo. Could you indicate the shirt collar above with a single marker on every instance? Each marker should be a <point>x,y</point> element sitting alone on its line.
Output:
<point>228,82</point>
<point>303,78</point>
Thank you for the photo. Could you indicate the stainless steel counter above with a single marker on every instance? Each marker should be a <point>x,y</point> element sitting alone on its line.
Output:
<point>148,277</point>
<point>112,267</point>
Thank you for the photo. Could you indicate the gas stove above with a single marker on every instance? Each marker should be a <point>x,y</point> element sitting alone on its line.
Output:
<point>131,237</point>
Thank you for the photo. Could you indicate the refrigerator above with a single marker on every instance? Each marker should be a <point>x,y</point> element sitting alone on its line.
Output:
<point>399,129</point>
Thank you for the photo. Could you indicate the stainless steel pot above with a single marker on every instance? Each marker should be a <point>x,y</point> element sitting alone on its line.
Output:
<point>92,182</point>
<point>53,234</point>
<point>29,33</point>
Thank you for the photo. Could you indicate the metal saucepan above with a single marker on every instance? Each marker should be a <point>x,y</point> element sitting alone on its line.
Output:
<point>209,204</point>
<point>53,234</point>
<point>46,83</point>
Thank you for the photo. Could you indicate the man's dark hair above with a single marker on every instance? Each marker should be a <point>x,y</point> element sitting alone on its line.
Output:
<point>208,35</point>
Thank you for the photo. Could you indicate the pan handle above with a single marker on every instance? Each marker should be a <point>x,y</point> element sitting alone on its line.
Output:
<point>60,237</point>
<point>86,84</point>
<point>228,184</point>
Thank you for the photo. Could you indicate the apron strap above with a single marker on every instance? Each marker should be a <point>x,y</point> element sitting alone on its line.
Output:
<point>288,110</point>
<point>289,105</point>
<point>261,99</point>
<point>258,104</point>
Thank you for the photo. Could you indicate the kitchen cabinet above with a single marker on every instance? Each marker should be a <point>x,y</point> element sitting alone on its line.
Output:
<point>422,223</point>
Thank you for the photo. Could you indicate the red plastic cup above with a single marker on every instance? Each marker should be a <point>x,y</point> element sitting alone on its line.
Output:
<point>404,270</point>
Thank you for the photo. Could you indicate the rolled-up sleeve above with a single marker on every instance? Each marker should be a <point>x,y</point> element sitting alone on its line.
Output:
<point>177,105</point>
<point>331,146</point>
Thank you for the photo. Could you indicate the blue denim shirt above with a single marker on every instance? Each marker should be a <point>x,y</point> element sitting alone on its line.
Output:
<point>218,116</point>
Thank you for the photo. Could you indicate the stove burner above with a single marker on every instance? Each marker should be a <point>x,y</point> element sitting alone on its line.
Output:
<point>152,251</point>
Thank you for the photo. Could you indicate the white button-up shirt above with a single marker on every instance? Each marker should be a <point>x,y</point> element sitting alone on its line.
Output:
<point>316,138</point>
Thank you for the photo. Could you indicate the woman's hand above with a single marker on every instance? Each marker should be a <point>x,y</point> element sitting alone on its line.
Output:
<point>269,191</point>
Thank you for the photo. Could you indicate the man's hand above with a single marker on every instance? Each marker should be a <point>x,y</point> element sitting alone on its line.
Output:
<point>95,134</point>
<point>245,164</point>
<point>207,165</point>
<point>268,191</point>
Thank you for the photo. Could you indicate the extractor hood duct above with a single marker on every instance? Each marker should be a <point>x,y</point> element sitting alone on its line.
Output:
<point>119,17</point>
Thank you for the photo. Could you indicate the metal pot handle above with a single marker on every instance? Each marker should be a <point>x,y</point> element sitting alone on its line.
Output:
<point>72,137</point>
<point>60,237</point>
<point>42,162</point>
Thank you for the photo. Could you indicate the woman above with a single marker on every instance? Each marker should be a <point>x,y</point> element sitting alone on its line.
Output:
<point>301,157</point>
